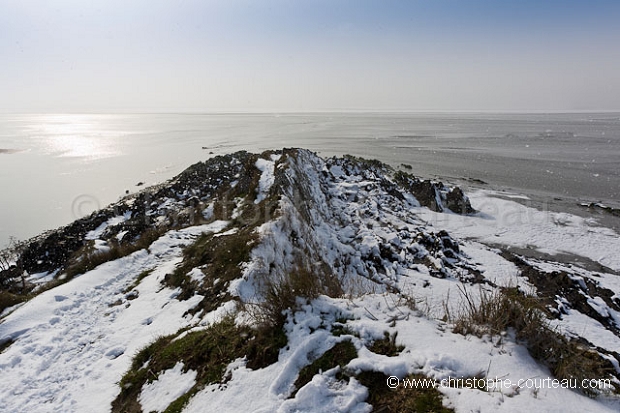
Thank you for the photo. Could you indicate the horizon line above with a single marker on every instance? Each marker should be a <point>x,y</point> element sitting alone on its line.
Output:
<point>310,111</point>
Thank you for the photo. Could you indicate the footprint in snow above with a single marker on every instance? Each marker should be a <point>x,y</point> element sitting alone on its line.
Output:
<point>115,352</point>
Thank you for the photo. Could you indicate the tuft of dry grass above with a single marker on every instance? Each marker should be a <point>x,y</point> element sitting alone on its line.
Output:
<point>281,292</point>
<point>497,311</point>
<point>8,299</point>
<point>387,345</point>
<point>86,258</point>
<point>493,312</point>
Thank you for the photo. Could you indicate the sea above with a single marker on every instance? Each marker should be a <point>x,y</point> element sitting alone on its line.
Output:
<point>55,168</point>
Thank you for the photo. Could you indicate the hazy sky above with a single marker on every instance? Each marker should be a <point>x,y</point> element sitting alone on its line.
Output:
<point>296,55</point>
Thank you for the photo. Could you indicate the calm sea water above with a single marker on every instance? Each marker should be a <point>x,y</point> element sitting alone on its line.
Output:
<point>56,168</point>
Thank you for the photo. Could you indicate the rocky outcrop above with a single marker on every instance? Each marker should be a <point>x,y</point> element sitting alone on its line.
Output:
<point>435,195</point>
<point>212,189</point>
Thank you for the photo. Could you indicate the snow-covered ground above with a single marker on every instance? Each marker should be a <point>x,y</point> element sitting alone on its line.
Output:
<point>72,344</point>
<point>509,223</point>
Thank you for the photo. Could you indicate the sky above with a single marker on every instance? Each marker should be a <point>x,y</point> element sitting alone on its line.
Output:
<point>75,56</point>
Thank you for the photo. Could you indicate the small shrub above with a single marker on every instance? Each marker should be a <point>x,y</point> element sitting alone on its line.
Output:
<point>11,267</point>
<point>367,163</point>
<point>487,315</point>
<point>280,294</point>
<point>264,348</point>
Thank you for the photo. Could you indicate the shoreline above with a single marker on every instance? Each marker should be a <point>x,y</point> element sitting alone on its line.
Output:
<point>542,201</point>
<point>544,156</point>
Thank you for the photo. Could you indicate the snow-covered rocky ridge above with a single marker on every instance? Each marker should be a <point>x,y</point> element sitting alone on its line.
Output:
<point>173,297</point>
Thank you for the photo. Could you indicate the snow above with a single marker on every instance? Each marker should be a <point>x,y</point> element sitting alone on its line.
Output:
<point>169,386</point>
<point>120,235</point>
<point>207,213</point>
<point>508,223</point>
<point>267,167</point>
<point>196,275</point>
<point>334,396</point>
<point>100,230</point>
<point>73,343</point>
<point>578,324</point>
<point>429,349</point>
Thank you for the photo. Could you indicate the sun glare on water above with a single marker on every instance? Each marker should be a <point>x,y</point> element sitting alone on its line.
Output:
<point>78,136</point>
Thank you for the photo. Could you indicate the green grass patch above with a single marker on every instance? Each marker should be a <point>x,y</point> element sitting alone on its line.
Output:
<point>380,396</point>
<point>208,352</point>
<point>220,259</point>
<point>401,399</point>
<point>339,355</point>
<point>179,404</point>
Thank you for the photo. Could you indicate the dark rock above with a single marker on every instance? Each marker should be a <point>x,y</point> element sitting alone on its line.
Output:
<point>600,208</point>
<point>434,195</point>
<point>457,202</point>
<point>561,284</point>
